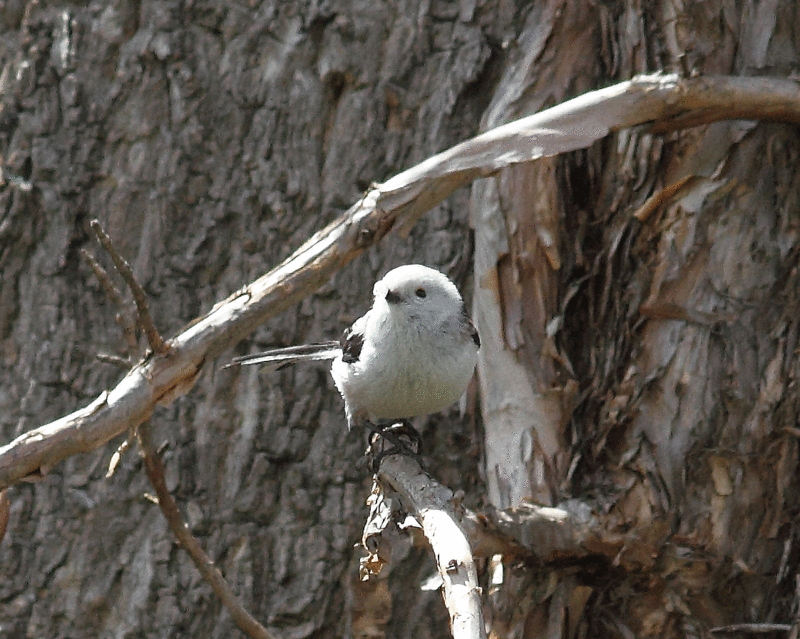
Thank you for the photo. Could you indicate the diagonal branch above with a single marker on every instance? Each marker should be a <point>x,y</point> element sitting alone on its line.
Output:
<point>663,102</point>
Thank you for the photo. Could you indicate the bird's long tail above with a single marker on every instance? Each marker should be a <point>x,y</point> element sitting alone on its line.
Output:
<point>279,357</point>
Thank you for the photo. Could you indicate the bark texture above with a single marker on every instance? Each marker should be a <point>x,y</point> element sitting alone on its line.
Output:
<point>645,364</point>
<point>653,342</point>
<point>211,139</point>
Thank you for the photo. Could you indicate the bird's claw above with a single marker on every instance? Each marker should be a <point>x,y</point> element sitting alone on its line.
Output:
<point>403,437</point>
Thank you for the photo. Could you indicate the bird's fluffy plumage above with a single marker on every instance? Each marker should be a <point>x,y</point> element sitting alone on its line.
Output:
<point>413,353</point>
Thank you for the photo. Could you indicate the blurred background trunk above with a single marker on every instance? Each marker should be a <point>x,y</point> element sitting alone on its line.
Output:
<point>645,364</point>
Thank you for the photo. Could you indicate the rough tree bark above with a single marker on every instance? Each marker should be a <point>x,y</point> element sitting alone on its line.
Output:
<point>646,346</point>
<point>648,296</point>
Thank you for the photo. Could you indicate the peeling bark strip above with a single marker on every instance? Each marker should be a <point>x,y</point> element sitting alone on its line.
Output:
<point>666,102</point>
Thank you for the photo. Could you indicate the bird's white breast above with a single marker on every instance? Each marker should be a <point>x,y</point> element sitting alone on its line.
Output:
<point>407,372</point>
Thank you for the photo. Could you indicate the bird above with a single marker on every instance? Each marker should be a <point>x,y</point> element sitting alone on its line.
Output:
<point>412,353</point>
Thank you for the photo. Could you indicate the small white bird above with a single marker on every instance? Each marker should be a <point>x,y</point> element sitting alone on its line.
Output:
<point>412,353</point>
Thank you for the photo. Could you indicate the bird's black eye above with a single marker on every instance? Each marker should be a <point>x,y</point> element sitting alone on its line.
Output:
<point>420,292</point>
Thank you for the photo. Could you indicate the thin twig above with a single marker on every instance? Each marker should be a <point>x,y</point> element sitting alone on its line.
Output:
<point>154,338</point>
<point>754,628</point>
<point>155,471</point>
<point>115,360</point>
<point>105,281</point>
<point>123,318</point>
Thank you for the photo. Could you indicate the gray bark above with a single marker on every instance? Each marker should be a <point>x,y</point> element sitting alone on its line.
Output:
<point>213,139</point>
<point>210,140</point>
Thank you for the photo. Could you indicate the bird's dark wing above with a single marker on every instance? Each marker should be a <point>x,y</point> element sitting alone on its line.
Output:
<point>352,341</point>
<point>473,332</point>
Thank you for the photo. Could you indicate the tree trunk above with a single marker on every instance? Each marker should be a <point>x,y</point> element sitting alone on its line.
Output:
<point>637,358</point>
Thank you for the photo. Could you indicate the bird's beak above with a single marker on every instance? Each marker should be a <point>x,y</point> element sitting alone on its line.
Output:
<point>392,297</point>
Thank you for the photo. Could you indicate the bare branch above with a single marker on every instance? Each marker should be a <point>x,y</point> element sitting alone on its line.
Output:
<point>155,471</point>
<point>154,338</point>
<point>115,360</point>
<point>123,318</point>
<point>566,534</point>
<point>664,102</point>
<point>105,281</point>
<point>432,505</point>
<point>754,628</point>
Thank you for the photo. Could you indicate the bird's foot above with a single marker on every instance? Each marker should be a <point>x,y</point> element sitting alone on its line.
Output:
<point>403,437</point>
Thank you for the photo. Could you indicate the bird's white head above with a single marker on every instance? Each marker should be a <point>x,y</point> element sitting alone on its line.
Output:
<point>414,351</point>
<point>421,292</point>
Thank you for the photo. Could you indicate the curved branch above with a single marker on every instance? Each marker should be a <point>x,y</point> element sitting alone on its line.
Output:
<point>663,102</point>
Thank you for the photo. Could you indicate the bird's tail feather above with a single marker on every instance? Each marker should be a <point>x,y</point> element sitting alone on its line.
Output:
<point>279,357</point>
